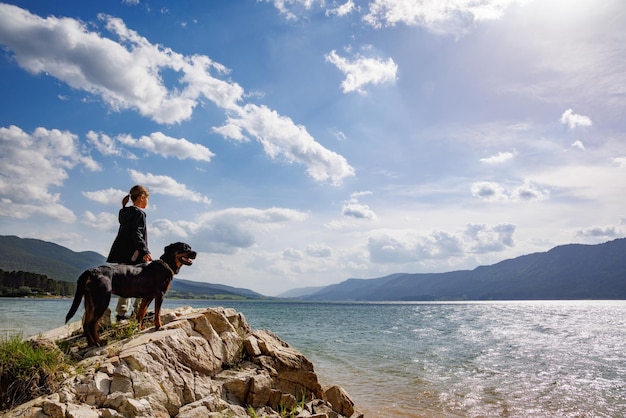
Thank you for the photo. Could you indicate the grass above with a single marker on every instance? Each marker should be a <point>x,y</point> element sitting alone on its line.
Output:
<point>27,370</point>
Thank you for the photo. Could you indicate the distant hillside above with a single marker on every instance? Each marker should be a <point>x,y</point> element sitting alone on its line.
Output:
<point>189,289</point>
<point>301,291</point>
<point>61,263</point>
<point>572,271</point>
<point>42,257</point>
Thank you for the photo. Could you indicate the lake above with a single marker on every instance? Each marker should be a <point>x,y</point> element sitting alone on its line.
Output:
<point>438,359</point>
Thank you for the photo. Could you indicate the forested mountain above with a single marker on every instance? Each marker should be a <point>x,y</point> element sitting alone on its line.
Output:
<point>60,263</point>
<point>572,271</point>
<point>42,257</point>
<point>21,283</point>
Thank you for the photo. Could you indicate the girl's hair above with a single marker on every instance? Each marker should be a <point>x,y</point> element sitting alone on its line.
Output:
<point>135,193</point>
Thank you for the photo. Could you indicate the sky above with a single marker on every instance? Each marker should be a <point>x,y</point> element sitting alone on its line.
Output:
<point>299,143</point>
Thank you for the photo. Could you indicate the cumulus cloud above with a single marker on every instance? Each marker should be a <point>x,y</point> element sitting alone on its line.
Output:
<point>494,192</point>
<point>108,196</point>
<point>292,254</point>
<point>254,215</point>
<point>362,71</point>
<point>126,72</point>
<point>440,245</point>
<point>167,186</point>
<point>167,146</point>
<point>578,145</point>
<point>357,210</point>
<point>389,249</point>
<point>229,230</point>
<point>600,232</point>
<point>488,190</point>
<point>483,239</point>
<point>342,10</point>
<point>352,207</point>
<point>103,221</point>
<point>498,158</point>
<point>319,250</point>
<point>439,16</point>
<point>573,120</point>
<point>107,145</point>
<point>32,166</point>
<point>281,137</point>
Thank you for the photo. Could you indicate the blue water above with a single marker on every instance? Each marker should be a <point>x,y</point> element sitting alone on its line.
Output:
<point>466,359</point>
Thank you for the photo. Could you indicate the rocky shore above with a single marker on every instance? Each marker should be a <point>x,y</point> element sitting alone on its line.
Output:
<point>201,363</point>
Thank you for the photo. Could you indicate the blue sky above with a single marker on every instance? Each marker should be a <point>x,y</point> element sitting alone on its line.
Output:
<point>299,143</point>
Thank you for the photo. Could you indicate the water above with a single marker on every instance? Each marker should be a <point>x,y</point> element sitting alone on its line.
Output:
<point>480,359</point>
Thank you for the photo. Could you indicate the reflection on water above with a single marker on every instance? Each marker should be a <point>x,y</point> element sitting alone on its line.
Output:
<point>490,359</point>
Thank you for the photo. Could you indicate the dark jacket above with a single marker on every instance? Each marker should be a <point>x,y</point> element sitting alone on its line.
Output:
<point>132,236</point>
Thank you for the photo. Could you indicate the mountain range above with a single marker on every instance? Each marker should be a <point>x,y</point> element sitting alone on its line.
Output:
<point>573,271</point>
<point>61,263</point>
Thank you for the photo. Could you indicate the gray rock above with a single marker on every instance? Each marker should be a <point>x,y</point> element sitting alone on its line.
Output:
<point>201,363</point>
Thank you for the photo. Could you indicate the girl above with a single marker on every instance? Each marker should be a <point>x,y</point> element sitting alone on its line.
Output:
<point>131,243</point>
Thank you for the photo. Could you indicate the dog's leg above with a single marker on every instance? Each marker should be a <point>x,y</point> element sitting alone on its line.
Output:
<point>88,319</point>
<point>157,311</point>
<point>100,305</point>
<point>143,308</point>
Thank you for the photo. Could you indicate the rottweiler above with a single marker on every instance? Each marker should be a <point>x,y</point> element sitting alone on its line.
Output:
<point>147,281</point>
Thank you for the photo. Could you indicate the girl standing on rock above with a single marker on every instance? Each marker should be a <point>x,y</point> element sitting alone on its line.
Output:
<point>131,243</point>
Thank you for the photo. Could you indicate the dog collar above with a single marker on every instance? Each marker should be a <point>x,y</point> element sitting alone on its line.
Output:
<point>168,267</point>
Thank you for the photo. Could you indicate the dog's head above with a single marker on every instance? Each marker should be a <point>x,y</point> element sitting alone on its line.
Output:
<point>177,255</point>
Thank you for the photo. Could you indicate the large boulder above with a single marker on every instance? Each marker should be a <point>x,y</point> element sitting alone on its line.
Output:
<point>201,363</point>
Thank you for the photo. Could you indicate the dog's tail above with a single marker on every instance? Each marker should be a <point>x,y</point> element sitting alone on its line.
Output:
<point>80,291</point>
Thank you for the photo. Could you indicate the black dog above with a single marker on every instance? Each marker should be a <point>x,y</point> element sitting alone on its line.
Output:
<point>147,281</point>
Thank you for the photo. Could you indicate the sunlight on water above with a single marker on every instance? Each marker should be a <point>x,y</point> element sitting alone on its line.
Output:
<point>490,359</point>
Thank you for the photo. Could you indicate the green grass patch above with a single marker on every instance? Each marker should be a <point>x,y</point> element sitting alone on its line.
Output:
<point>28,369</point>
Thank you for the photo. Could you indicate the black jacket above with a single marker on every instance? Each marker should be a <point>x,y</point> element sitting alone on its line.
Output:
<point>132,236</point>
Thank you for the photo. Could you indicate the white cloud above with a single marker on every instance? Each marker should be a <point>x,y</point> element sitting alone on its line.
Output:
<point>291,8</point>
<point>438,245</point>
<point>342,10</point>
<point>167,146</point>
<point>281,137</point>
<point>352,208</point>
<point>573,120</point>
<point>227,231</point>
<point>494,192</point>
<point>439,16</point>
<point>362,71</point>
<point>108,196</point>
<point>259,216</point>
<point>106,145</point>
<point>128,75</point>
<point>167,186</point>
<point>357,210</point>
<point>484,239</point>
<point>292,254</point>
<point>598,231</point>
<point>488,190</point>
<point>498,158</point>
<point>578,144</point>
<point>319,250</point>
<point>32,166</point>
<point>103,221</point>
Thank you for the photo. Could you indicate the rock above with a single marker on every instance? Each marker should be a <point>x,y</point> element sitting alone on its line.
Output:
<point>201,363</point>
